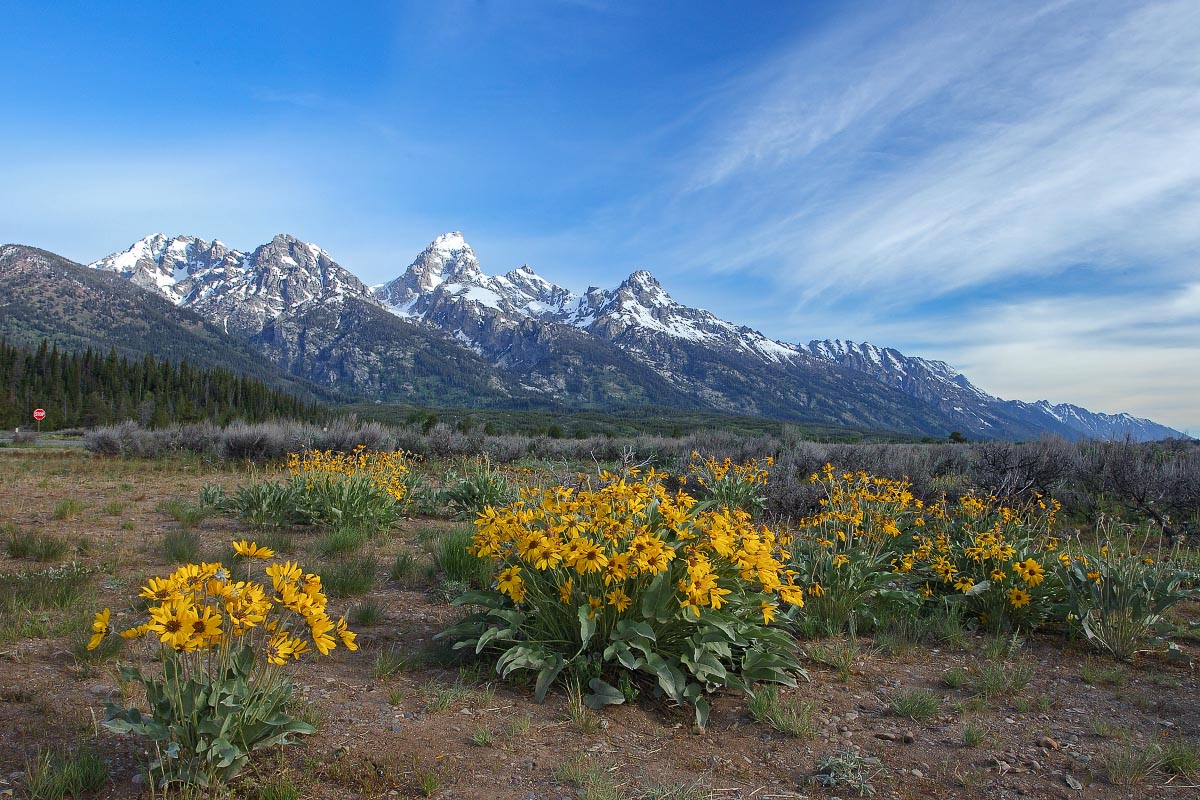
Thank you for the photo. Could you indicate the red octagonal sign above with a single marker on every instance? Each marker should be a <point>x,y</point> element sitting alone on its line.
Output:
<point>39,414</point>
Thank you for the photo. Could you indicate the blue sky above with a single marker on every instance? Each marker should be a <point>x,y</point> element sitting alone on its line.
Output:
<point>1011,187</point>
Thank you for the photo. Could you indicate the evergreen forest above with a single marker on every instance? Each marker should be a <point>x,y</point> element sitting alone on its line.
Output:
<point>88,388</point>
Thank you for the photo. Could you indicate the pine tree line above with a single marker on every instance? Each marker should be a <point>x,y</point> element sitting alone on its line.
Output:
<point>90,388</point>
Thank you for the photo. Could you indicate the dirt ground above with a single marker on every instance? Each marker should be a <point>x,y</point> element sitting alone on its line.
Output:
<point>384,737</point>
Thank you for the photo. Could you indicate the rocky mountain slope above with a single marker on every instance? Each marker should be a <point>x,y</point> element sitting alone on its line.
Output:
<point>45,296</point>
<point>519,339</point>
<point>241,292</point>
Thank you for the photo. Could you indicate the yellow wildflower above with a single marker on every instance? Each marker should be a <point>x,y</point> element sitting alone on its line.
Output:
<point>99,629</point>
<point>510,582</point>
<point>618,598</point>
<point>346,635</point>
<point>252,550</point>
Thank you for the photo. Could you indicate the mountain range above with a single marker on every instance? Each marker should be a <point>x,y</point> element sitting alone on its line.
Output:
<point>445,332</point>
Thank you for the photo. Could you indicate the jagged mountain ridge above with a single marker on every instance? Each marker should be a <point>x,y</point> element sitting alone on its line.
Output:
<point>45,296</point>
<point>639,336</point>
<point>627,345</point>
<point>239,291</point>
<point>960,400</point>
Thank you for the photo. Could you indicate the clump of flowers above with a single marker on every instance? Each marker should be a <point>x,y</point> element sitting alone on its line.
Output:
<point>1001,561</point>
<point>629,579</point>
<point>1117,593</point>
<point>849,552</point>
<point>226,647</point>
<point>388,471</point>
<point>360,489</point>
<point>731,485</point>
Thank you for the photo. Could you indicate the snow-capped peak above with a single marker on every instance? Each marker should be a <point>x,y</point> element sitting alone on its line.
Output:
<point>447,273</point>
<point>165,264</point>
<point>892,366</point>
<point>240,290</point>
<point>450,242</point>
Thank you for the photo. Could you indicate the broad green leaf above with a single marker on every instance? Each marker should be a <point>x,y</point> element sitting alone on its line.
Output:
<point>587,626</point>
<point>546,678</point>
<point>603,694</point>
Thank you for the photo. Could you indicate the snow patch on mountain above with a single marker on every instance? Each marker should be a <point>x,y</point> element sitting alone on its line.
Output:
<point>239,291</point>
<point>892,366</point>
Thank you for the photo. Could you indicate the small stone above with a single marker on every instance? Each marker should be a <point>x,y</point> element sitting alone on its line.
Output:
<point>100,690</point>
<point>908,737</point>
<point>916,773</point>
<point>139,779</point>
<point>887,737</point>
<point>1074,784</point>
<point>1048,743</point>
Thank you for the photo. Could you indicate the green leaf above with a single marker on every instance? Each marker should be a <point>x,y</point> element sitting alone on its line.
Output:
<point>244,662</point>
<point>1175,655</point>
<point>502,634</point>
<point>477,597</point>
<point>546,678</point>
<point>621,652</point>
<point>519,657</point>
<point>130,674</point>
<point>510,615</point>
<point>724,623</point>
<point>670,679</point>
<point>658,597</point>
<point>628,628</point>
<point>694,694</point>
<point>603,694</point>
<point>760,665</point>
<point>705,666</point>
<point>587,626</point>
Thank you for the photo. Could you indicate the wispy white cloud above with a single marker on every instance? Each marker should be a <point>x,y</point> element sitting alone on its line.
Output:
<point>967,146</point>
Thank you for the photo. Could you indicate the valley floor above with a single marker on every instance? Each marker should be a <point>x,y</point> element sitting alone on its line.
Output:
<point>434,728</point>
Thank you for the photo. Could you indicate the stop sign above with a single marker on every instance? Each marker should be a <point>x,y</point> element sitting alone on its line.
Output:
<point>39,414</point>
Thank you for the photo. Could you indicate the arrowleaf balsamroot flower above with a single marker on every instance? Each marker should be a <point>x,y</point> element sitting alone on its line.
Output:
<point>1018,597</point>
<point>99,629</point>
<point>622,562</point>
<point>252,550</point>
<point>228,640</point>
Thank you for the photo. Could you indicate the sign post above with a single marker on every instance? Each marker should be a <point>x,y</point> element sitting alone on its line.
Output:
<point>39,414</point>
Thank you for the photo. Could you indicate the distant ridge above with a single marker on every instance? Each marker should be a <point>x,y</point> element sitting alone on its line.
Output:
<point>444,329</point>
